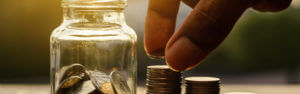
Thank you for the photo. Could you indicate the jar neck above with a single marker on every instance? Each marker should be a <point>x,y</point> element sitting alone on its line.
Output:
<point>92,17</point>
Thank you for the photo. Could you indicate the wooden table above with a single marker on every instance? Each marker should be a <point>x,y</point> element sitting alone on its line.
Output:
<point>259,89</point>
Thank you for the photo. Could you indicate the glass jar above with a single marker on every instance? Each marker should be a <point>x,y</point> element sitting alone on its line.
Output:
<point>93,50</point>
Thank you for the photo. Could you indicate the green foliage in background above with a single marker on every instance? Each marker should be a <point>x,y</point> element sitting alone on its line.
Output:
<point>25,27</point>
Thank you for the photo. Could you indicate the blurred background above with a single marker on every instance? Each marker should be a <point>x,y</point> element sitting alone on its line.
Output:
<point>263,48</point>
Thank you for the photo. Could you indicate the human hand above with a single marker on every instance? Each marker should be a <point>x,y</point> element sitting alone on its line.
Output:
<point>202,31</point>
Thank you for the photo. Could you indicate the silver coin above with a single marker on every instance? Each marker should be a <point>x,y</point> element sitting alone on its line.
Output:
<point>163,88</point>
<point>72,70</point>
<point>106,88</point>
<point>61,91</point>
<point>161,67</point>
<point>66,91</point>
<point>207,89</point>
<point>152,87</point>
<point>165,75</point>
<point>161,71</point>
<point>70,82</point>
<point>85,88</point>
<point>164,79</point>
<point>154,69</point>
<point>101,81</point>
<point>162,92</point>
<point>164,84</point>
<point>202,79</point>
<point>94,92</point>
<point>202,83</point>
<point>70,90</point>
<point>204,87</point>
<point>119,83</point>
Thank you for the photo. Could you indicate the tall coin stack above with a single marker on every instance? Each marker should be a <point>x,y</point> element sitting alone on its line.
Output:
<point>202,85</point>
<point>162,80</point>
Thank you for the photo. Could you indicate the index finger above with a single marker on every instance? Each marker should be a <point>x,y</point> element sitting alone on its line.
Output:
<point>159,25</point>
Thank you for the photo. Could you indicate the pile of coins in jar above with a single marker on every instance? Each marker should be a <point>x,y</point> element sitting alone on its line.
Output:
<point>75,79</point>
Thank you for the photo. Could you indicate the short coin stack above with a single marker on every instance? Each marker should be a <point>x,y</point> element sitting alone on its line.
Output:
<point>162,80</point>
<point>75,79</point>
<point>202,85</point>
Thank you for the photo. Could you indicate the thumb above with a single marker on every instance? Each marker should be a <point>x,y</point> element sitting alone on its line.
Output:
<point>203,30</point>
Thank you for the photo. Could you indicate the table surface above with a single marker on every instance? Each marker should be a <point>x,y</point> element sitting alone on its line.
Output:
<point>259,89</point>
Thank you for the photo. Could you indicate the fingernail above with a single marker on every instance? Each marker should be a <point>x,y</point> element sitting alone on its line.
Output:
<point>183,54</point>
<point>157,56</point>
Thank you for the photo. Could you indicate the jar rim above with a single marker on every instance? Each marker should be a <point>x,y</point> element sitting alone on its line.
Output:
<point>95,3</point>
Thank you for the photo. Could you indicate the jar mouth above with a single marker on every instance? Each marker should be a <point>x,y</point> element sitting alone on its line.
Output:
<point>95,3</point>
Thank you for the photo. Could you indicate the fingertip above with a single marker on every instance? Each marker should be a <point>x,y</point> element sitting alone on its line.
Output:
<point>156,54</point>
<point>183,54</point>
<point>159,26</point>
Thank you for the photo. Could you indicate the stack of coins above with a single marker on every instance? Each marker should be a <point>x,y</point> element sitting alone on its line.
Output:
<point>202,85</point>
<point>162,80</point>
<point>75,79</point>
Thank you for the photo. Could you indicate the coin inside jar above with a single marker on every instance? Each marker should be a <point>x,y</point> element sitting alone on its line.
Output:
<point>73,70</point>
<point>67,83</point>
<point>119,83</point>
<point>85,88</point>
<point>102,82</point>
<point>106,88</point>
